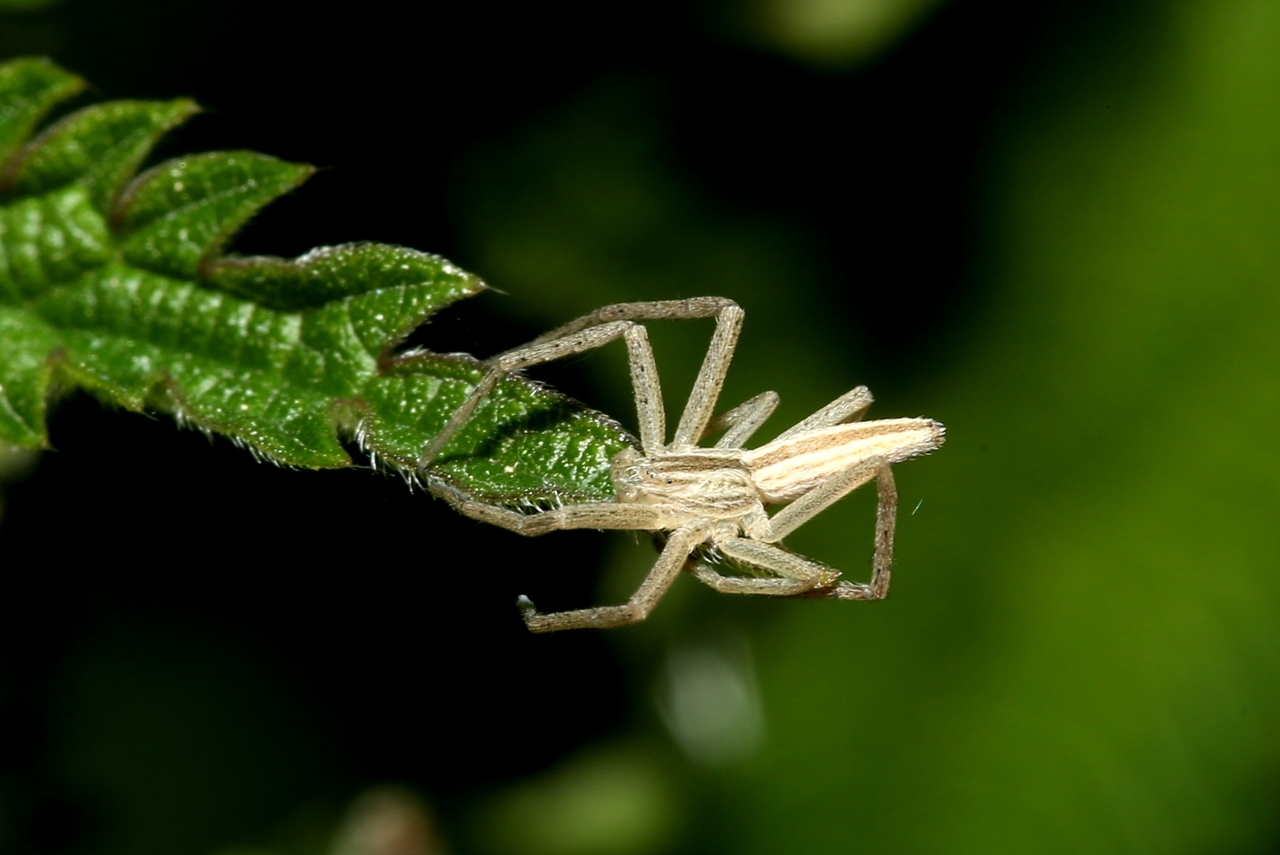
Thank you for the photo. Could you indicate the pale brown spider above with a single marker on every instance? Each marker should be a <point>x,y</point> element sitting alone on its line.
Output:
<point>710,499</point>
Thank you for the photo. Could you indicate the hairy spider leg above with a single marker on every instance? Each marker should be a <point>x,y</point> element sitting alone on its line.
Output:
<point>882,564</point>
<point>706,389</point>
<point>796,575</point>
<point>668,566</point>
<point>595,515</point>
<point>644,377</point>
<point>742,421</point>
<point>849,407</point>
<point>603,326</point>
<point>710,380</point>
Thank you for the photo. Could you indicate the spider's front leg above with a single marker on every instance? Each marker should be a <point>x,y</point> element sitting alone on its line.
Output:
<point>644,377</point>
<point>598,329</point>
<point>594,515</point>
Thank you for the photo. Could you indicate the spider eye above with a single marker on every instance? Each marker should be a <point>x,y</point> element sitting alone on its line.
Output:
<point>671,480</point>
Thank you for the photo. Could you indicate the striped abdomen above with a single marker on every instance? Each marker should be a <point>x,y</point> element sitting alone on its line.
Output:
<point>788,468</point>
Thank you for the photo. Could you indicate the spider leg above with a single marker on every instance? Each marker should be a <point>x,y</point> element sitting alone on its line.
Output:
<point>672,560</point>
<point>706,389</point>
<point>601,327</point>
<point>796,575</point>
<point>598,515</point>
<point>882,565</point>
<point>644,378</point>
<point>655,310</point>
<point>742,421</point>
<point>849,407</point>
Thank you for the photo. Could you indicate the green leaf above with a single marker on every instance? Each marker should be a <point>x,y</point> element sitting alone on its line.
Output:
<point>99,147</point>
<point>183,211</point>
<point>113,283</point>
<point>29,88</point>
<point>24,376</point>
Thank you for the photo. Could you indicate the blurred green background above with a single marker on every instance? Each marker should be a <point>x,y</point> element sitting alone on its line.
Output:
<point>1052,229</point>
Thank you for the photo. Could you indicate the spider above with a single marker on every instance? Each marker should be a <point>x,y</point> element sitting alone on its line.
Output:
<point>710,502</point>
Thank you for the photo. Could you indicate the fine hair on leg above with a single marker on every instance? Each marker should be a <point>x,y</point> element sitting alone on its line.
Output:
<point>796,575</point>
<point>849,407</point>
<point>653,310</point>
<point>675,554</point>
<point>740,423</point>
<point>882,564</point>
<point>535,354</point>
<point>595,515</point>
<point>706,389</point>
<point>601,327</point>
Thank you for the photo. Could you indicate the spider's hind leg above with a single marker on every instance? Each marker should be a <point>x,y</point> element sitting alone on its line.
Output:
<point>849,407</point>
<point>882,564</point>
